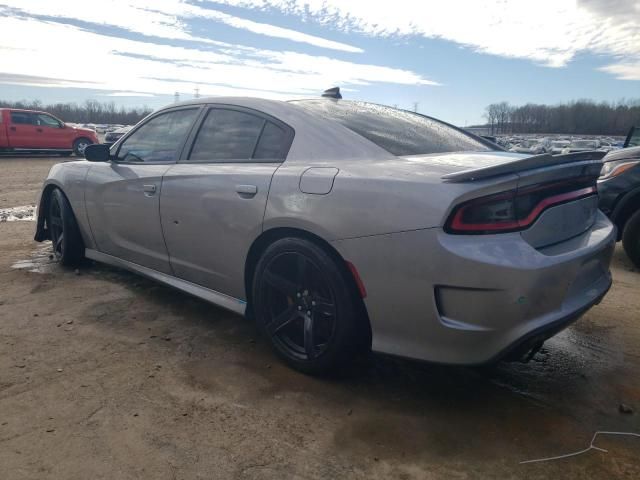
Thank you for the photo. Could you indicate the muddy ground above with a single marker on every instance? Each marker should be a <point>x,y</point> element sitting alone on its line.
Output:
<point>105,375</point>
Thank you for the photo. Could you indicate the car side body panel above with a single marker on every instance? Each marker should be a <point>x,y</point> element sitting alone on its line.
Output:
<point>124,215</point>
<point>210,218</point>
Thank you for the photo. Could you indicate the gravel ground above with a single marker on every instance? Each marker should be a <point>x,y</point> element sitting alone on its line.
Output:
<point>104,374</point>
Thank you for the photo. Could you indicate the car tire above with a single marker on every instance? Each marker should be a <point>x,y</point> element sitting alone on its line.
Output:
<point>304,305</point>
<point>79,145</point>
<point>631,238</point>
<point>68,247</point>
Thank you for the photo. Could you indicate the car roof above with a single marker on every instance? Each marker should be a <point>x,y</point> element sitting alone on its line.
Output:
<point>27,110</point>
<point>315,137</point>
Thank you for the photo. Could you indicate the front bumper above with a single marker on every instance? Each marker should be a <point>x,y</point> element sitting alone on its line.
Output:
<point>469,300</point>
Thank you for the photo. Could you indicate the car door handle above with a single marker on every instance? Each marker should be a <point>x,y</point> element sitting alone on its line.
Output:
<point>13,129</point>
<point>246,190</point>
<point>39,130</point>
<point>149,190</point>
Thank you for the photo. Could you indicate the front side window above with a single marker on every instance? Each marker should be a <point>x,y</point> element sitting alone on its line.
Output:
<point>159,139</point>
<point>43,119</point>
<point>21,118</point>
<point>397,131</point>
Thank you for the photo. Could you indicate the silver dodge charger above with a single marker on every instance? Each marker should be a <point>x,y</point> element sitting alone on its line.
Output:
<point>342,226</point>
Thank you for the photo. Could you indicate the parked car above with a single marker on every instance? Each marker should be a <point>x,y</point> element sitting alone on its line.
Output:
<point>619,190</point>
<point>342,225</point>
<point>557,146</point>
<point>582,146</point>
<point>535,147</point>
<point>113,136</point>
<point>33,131</point>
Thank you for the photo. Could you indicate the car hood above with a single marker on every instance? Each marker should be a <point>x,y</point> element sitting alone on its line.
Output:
<point>622,154</point>
<point>85,131</point>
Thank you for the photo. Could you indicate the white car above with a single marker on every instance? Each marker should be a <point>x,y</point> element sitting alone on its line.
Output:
<point>557,146</point>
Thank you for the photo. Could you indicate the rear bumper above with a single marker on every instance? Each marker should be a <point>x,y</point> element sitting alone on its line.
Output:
<point>468,300</point>
<point>524,344</point>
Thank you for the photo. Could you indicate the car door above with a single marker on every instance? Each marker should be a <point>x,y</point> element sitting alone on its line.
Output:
<point>123,196</point>
<point>213,200</point>
<point>51,132</point>
<point>22,130</point>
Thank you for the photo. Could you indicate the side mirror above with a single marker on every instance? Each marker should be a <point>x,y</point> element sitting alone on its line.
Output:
<point>98,152</point>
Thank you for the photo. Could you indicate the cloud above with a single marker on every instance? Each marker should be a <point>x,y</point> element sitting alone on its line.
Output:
<point>129,94</point>
<point>161,18</point>
<point>624,70</point>
<point>548,32</point>
<point>112,63</point>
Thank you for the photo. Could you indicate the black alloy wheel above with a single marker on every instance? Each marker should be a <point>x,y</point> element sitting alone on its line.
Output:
<point>304,306</point>
<point>65,236</point>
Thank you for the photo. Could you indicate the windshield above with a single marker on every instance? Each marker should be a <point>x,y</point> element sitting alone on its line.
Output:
<point>397,131</point>
<point>584,144</point>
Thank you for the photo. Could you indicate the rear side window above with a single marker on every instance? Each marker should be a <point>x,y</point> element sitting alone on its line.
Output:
<point>271,143</point>
<point>21,118</point>
<point>228,135</point>
<point>159,139</point>
<point>397,131</point>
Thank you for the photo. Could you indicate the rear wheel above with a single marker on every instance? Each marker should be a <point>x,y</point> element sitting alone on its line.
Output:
<point>80,145</point>
<point>631,238</point>
<point>65,235</point>
<point>305,307</point>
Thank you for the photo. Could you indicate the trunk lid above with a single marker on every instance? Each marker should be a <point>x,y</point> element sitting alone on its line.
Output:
<point>550,181</point>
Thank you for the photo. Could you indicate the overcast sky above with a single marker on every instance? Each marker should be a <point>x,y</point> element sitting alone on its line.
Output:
<point>453,57</point>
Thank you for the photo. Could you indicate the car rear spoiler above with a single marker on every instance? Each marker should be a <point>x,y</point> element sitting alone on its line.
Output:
<point>520,165</point>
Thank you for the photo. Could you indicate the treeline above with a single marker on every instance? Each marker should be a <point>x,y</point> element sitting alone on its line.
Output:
<point>583,117</point>
<point>91,111</point>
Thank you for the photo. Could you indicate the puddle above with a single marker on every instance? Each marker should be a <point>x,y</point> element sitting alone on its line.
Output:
<point>40,261</point>
<point>14,214</point>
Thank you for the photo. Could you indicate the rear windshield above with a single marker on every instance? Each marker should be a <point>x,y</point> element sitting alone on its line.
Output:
<point>397,131</point>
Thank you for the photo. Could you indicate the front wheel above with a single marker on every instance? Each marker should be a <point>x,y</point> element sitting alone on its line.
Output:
<point>68,247</point>
<point>305,307</point>
<point>80,145</point>
<point>631,238</point>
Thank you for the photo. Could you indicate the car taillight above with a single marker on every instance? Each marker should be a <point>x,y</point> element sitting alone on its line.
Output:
<point>515,209</point>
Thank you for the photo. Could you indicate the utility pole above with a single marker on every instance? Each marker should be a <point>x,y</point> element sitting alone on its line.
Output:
<point>176,97</point>
<point>415,107</point>
<point>197,93</point>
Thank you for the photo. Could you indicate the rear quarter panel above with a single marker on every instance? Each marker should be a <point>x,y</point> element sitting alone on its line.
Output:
<point>370,197</point>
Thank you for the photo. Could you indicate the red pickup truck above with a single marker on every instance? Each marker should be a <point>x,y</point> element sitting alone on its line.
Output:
<point>33,131</point>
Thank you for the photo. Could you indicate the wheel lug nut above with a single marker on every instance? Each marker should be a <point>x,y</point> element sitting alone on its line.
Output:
<point>299,307</point>
<point>313,303</point>
<point>299,295</point>
<point>309,312</point>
